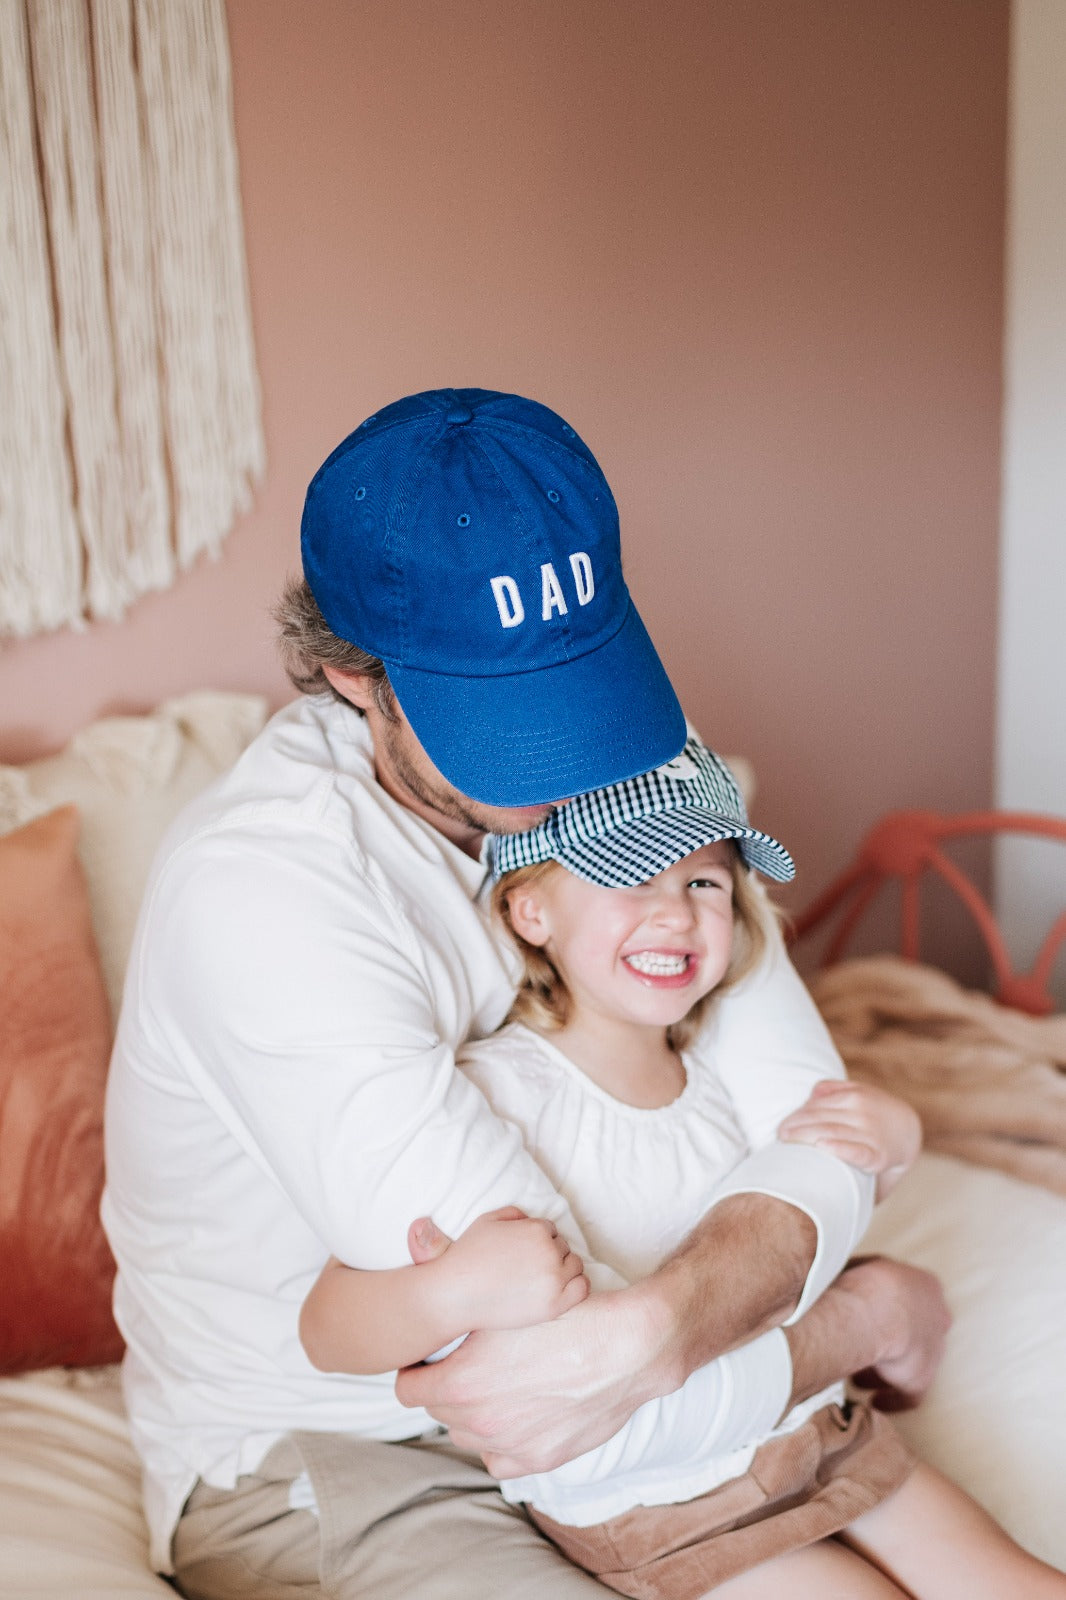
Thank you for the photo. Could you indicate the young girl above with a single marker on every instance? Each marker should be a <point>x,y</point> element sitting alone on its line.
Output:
<point>632,908</point>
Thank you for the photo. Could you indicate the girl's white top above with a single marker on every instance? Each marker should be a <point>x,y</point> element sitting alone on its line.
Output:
<point>637,1181</point>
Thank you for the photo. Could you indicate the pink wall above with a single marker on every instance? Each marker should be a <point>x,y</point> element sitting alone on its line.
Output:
<point>752,250</point>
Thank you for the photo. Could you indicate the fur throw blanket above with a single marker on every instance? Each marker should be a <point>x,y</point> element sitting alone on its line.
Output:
<point>989,1083</point>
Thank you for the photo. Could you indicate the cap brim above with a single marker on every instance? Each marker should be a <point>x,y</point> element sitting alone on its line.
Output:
<point>534,737</point>
<point>646,846</point>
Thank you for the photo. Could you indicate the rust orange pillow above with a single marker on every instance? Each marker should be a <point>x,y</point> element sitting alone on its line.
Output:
<point>56,1269</point>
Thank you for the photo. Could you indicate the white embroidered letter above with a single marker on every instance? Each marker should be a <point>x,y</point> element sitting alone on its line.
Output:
<point>581,567</point>
<point>508,601</point>
<point>552,595</point>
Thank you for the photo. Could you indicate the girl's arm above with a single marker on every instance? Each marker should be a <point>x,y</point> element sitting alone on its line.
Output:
<point>507,1270</point>
<point>865,1126</point>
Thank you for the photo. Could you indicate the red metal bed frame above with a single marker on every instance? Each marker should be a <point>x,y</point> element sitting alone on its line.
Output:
<point>905,845</point>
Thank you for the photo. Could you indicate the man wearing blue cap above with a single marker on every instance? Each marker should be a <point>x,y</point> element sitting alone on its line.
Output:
<point>313,949</point>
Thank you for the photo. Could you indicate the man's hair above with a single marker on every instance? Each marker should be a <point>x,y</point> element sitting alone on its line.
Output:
<point>543,998</point>
<point>307,644</point>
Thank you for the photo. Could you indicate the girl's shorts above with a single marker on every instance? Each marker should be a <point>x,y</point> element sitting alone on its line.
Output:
<point>801,1486</point>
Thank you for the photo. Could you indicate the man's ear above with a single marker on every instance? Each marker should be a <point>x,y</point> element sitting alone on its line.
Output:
<point>355,687</point>
<point>528,915</point>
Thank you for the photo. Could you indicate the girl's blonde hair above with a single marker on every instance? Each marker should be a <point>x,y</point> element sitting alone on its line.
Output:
<point>543,999</point>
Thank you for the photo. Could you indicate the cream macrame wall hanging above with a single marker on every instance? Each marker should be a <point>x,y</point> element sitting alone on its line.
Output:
<point>130,431</point>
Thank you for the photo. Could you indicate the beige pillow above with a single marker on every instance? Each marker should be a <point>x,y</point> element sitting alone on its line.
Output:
<point>129,776</point>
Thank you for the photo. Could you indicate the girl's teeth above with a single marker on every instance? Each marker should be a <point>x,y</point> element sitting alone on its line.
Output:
<point>658,966</point>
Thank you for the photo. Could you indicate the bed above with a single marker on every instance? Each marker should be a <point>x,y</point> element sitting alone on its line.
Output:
<point>70,1517</point>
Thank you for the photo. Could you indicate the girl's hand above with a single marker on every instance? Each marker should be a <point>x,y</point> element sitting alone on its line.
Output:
<point>867,1127</point>
<point>506,1270</point>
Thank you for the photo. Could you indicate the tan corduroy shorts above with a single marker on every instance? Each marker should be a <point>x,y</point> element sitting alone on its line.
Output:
<point>394,1522</point>
<point>800,1487</point>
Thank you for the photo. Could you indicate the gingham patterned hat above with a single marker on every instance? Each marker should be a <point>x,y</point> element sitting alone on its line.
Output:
<point>630,831</point>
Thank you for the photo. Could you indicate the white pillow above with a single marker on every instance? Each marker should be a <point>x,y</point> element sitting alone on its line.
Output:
<point>995,1419</point>
<point>129,776</point>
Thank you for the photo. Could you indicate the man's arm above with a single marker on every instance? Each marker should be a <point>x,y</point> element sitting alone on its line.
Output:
<point>740,1231</point>
<point>530,1399</point>
<point>881,1318</point>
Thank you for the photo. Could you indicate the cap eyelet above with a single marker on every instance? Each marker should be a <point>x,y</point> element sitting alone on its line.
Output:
<point>463,519</point>
<point>553,496</point>
<point>568,430</point>
<point>360,494</point>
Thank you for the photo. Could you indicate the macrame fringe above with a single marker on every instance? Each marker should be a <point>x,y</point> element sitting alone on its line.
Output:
<point>40,550</point>
<point>130,432</point>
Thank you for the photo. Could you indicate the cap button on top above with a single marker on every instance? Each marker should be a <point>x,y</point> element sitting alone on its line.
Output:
<point>458,415</point>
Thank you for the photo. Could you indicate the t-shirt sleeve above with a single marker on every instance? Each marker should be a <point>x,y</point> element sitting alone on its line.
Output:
<point>312,1036</point>
<point>769,1047</point>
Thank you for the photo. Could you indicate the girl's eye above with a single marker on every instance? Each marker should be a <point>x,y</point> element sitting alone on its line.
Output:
<point>710,883</point>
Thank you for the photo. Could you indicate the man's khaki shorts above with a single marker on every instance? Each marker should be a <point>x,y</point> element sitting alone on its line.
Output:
<point>801,1487</point>
<point>394,1522</point>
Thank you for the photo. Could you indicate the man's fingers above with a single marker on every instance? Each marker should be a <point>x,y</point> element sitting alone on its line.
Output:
<point>417,1385</point>
<point>471,1443</point>
<point>895,1400</point>
<point>883,1396</point>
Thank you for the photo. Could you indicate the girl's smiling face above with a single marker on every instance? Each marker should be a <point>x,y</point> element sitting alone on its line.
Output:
<point>645,954</point>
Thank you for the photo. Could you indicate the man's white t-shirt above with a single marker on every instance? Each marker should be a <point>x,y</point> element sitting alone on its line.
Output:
<point>309,957</point>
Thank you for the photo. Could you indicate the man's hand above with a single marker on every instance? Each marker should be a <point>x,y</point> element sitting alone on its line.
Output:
<point>883,1322</point>
<point>912,1314</point>
<point>530,1399</point>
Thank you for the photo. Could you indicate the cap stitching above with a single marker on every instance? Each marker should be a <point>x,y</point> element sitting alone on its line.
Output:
<point>409,486</point>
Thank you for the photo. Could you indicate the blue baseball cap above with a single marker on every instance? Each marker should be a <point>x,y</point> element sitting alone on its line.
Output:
<point>470,540</point>
<point>628,832</point>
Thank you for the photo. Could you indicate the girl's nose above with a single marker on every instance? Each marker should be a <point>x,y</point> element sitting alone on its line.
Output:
<point>673,908</point>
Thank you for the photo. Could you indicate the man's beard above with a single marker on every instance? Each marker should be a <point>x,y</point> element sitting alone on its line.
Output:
<point>442,797</point>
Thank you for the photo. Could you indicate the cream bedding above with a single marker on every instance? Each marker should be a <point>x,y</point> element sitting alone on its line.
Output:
<point>995,1420</point>
<point>70,1521</point>
<point>71,1526</point>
